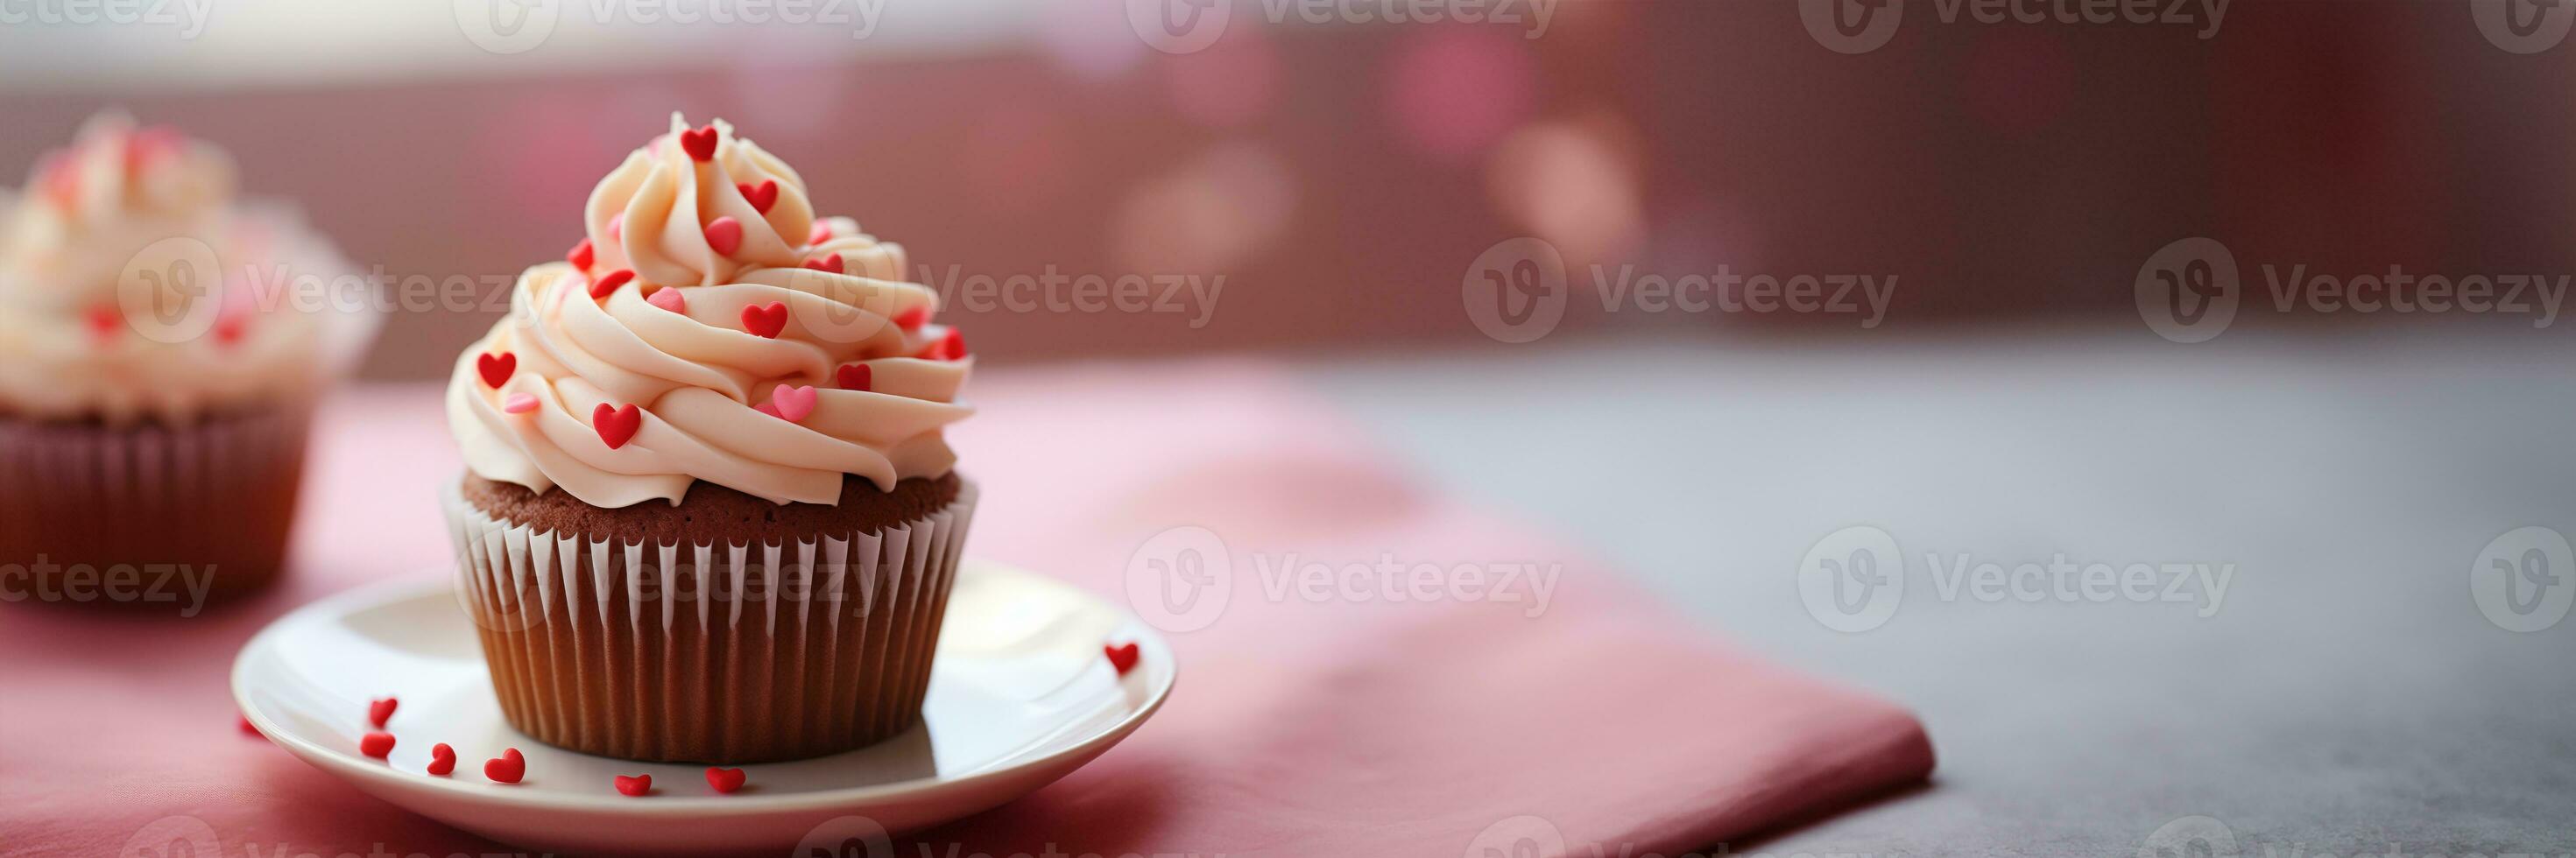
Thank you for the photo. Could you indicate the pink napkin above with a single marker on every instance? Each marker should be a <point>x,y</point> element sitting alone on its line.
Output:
<point>1316,714</point>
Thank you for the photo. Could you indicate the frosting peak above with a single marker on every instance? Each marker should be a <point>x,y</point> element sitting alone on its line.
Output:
<point>762,349</point>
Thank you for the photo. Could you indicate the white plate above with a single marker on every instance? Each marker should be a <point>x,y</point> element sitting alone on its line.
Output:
<point>1020,695</point>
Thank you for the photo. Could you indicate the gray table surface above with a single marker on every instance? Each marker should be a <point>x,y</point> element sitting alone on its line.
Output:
<point>2347,696</point>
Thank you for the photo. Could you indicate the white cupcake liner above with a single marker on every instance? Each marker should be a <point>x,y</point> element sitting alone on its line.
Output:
<point>774,652</point>
<point>219,494</point>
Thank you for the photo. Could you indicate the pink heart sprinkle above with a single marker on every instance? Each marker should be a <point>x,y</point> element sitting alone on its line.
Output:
<point>822,233</point>
<point>669,299</point>
<point>616,225</point>
<point>794,404</point>
<point>725,235</point>
<point>519,403</point>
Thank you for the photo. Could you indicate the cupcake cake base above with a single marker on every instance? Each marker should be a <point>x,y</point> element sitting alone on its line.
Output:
<point>723,629</point>
<point>207,505</point>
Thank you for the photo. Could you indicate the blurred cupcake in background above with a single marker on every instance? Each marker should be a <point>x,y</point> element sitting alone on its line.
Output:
<point>157,368</point>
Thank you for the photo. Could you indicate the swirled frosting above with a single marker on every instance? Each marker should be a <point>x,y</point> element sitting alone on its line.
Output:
<point>771,356</point>
<point>128,221</point>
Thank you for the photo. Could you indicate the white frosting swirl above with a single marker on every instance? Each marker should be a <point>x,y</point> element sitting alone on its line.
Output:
<point>704,378</point>
<point>92,233</point>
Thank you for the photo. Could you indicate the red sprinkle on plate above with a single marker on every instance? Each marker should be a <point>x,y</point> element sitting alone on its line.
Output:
<point>724,780</point>
<point>507,768</point>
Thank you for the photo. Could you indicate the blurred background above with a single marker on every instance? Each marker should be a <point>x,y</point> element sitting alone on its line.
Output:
<point>1451,226</point>
<point>1345,174</point>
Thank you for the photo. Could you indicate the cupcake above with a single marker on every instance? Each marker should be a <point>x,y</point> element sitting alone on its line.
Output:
<point>708,513</point>
<point>153,401</point>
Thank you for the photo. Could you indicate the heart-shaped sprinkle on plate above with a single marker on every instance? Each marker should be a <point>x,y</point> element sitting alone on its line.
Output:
<point>724,780</point>
<point>507,768</point>
<point>634,784</point>
<point>442,759</point>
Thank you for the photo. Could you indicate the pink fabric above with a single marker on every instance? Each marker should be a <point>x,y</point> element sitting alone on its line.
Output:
<point>1300,727</point>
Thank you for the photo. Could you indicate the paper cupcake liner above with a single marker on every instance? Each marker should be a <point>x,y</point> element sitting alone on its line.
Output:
<point>208,506</point>
<point>709,653</point>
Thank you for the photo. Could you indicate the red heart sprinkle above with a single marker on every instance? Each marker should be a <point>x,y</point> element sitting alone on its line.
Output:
<point>821,232</point>
<point>581,255</point>
<point>496,368</point>
<point>635,784</point>
<point>699,143</point>
<point>105,320</point>
<point>828,262</point>
<point>724,780</point>
<point>857,376</point>
<point>1121,656</point>
<point>616,425</point>
<point>442,759</point>
<point>151,144</point>
<point>609,282</point>
<point>62,180</point>
<point>724,234</point>
<point>376,745</point>
<point>765,320</point>
<point>508,768</point>
<point>761,197</point>
<point>668,298</point>
<point>229,329</point>
<point>381,710</point>
<point>912,319</point>
<point>951,346</point>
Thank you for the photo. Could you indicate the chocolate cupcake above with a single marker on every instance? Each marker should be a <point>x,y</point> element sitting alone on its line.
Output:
<point>153,403</point>
<point>709,514</point>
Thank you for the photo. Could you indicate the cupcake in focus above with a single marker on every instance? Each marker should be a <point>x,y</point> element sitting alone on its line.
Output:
<point>153,400</point>
<point>708,512</point>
